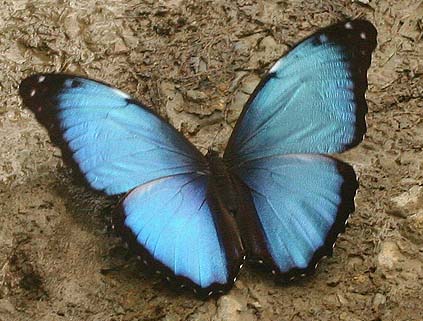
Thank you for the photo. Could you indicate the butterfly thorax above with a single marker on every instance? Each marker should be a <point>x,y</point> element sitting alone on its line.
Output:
<point>220,182</point>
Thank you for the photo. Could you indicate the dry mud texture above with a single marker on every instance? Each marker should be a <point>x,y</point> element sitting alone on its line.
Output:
<point>196,62</point>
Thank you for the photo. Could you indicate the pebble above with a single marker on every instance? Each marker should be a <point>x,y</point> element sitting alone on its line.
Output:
<point>333,281</point>
<point>389,255</point>
<point>228,308</point>
<point>269,43</point>
<point>71,26</point>
<point>412,228</point>
<point>250,83</point>
<point>407,203</point>
<point>196,95</point>
<point>176,103</point>
<point>344,316</point>
<point>6,307</point>
<point>379,300</point>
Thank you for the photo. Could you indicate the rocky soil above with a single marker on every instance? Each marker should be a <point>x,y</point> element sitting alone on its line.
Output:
<point>196,62</point>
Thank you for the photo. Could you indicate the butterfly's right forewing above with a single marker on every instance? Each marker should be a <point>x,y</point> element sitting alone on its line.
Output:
<point>312,100</point>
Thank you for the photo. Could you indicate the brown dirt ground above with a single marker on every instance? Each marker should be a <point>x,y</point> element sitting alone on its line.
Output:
<point>196,62</point>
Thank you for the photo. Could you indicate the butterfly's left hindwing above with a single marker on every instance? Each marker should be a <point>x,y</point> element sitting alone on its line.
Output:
<point>171,221</point>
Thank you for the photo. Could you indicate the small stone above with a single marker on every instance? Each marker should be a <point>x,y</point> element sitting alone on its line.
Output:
<point>355,261</point>
<point>250,83</point>
<point>176,102</point>
<point>333,281</point>
<point>411,196</point>
<point>256,305</point>
<point>6,307</point>
<point>412,228</point>
<point>342,299</point>
<point>331,300</point>
<point>389,255</point>
<point>408,202</point>
<point>120,46</point>
<point>228,308</point>
<point>196,95</point>
<point>71,26</point>
<point>344,316</point>
<point>240,285</point>
<point>269,43</point>
<point>379,300</point>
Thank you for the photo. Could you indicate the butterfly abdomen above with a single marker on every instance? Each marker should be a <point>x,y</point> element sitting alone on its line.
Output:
<point>236,215</point>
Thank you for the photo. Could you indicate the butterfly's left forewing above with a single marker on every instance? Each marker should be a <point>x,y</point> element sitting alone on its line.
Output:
<point>116,143</point>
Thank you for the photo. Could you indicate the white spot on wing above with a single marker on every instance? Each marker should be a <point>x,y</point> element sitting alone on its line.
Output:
<point>32,93</point>
<point>348,25</point>
<point>276,66</point>
<point>120,93</point>
<point>143,189</point>
<point>68,82</point>
<point>323,38</point>
<point>363,35</point>
<point>41,78</point>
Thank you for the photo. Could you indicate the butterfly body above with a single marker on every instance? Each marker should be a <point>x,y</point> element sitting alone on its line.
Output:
<point>221,182</point>
<point>276,196</point>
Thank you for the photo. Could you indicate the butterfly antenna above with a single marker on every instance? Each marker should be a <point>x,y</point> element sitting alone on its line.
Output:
<point>213,144</point>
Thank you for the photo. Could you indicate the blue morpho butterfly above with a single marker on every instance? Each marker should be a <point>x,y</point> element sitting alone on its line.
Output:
<point>274,197</point>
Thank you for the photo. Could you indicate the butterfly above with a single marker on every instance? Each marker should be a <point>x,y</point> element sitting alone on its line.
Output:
<point>276,196</point>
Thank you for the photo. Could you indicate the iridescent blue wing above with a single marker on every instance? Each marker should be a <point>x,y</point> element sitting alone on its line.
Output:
<point>172,225</point>
<point>118,145</point>
<point>299,204</point>
<point>115,142</point>
<point>311,102</point>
